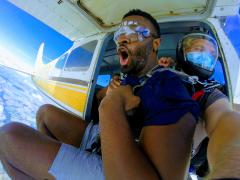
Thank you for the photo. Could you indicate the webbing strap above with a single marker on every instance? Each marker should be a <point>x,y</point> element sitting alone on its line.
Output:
<point>197,95</point>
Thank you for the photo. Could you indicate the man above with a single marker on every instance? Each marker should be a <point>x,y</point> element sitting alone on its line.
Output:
<point>197,54</point>
<point>162,139</point>
<point>165,143</point>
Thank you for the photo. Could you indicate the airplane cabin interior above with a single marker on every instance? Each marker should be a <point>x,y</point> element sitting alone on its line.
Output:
<point>171,33</point>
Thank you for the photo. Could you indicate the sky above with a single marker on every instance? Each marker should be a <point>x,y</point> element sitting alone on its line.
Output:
<point>21,35</point>
<point>232,29</point>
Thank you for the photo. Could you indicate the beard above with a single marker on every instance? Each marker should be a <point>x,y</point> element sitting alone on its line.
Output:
<point>139,58</point>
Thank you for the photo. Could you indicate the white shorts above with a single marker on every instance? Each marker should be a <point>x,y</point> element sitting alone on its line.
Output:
<point>73,163</point>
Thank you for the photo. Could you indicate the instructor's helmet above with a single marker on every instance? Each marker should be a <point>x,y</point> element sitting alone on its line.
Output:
<point>197,54</point>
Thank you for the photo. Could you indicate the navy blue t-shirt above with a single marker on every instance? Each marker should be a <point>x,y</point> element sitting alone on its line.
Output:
<point>165,99</point>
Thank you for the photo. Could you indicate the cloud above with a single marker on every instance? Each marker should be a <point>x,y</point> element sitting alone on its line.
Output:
<point>9,59</point>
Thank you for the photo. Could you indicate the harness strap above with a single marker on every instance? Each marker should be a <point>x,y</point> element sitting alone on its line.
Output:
<point>183,76</point>
<point>137,82</point>
<point>198,95</point>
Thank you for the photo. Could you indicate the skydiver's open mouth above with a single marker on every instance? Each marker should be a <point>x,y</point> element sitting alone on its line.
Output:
<point>123,56</point>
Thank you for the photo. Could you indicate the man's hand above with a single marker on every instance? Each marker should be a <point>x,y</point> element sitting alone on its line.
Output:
<point>115,82</point>
<point>124,95</point>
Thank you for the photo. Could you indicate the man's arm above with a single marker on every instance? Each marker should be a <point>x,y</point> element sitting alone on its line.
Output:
<point>122,158</point>
<point>223,128</point>
<point>169,147</point>
<point>214,112</point>
<point>165,149</point>
<point>224,147</point>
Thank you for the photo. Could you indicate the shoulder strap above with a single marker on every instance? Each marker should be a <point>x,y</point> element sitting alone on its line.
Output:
<point>183,76</point>
<point>193,81</point>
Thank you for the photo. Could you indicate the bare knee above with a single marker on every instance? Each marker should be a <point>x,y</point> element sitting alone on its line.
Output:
<point>44,110</point>
<point>9,134</point>
<point>11,129</point>
<point>43,114</point>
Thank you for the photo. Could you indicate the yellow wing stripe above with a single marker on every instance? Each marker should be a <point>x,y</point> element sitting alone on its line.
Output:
<point>69,96</point>
<point>73,86</point>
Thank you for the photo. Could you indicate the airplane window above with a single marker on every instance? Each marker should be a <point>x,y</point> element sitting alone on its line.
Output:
<point>218,74</point>
<point>103,80</point>
<point>61,62</point>
<point>80,58</point>
<point>232,30</point>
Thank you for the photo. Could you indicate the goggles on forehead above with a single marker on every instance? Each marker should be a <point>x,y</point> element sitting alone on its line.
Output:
<point>132,31</point>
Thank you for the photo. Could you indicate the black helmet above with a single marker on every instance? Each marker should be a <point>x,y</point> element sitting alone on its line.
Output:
<point>197,54</point>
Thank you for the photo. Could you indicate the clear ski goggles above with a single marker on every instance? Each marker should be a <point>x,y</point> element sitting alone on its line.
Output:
<point>204,60</point>
<point>132,33</point>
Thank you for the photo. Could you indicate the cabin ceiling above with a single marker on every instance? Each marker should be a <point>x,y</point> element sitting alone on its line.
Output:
<point>80,18</point>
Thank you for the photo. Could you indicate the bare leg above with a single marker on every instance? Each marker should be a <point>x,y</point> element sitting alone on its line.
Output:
<point>25,151</point>
<point>224,148</point>
<point>13,172</point>
<point>60,125</point>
